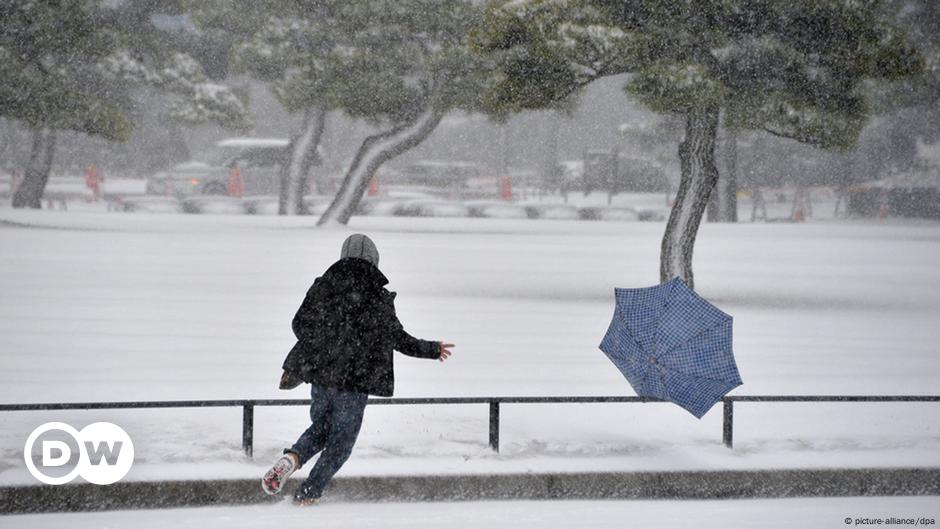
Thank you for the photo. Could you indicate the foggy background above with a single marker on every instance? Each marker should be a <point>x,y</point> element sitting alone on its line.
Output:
<point>894,141</point>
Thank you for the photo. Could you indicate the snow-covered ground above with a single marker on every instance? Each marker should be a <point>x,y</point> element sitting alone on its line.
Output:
<point>721,514</point>
<point>115,306</point>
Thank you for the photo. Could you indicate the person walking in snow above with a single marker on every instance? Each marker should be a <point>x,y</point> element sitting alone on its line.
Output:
<point>346,331</point>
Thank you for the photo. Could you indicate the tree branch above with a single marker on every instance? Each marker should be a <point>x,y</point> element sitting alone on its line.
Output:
<point>802,139</point>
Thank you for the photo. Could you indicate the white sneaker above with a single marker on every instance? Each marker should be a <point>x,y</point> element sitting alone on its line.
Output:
<point>275,478</point>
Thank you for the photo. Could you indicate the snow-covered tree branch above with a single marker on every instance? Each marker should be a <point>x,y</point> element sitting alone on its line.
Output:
<point>795,69</point>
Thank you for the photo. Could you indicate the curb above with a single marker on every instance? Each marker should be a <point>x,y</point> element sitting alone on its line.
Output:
<point>631,485</point>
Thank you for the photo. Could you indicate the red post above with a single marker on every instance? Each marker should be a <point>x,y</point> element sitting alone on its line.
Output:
<point>236,184</point>
<point>883,208</point>
<point>93,181</point>
<point>374,186</point>
<point>799,215</point>
<point>505,188</point>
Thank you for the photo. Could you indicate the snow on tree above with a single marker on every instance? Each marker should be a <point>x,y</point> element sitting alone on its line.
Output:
<point>394,64</point>
<point>794,69</point>
<point>194,99</point>
<point>283,44</point>
<point>399,65</point>
<point>72,66</point>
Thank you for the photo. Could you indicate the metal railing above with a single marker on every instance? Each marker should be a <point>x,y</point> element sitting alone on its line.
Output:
<point>248,407</point>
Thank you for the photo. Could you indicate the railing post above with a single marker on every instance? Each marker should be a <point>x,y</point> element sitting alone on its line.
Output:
<point>248,427</point>
<point>728,423</point>
<point>494,425</point>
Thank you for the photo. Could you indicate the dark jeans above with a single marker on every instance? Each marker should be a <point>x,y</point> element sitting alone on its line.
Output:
<point>336,417</point>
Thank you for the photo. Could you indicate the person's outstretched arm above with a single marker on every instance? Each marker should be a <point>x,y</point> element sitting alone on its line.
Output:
<point>408,344</point>
<point>418,348</point>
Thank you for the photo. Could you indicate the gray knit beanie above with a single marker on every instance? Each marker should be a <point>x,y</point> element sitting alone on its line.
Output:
<point>359,246</point>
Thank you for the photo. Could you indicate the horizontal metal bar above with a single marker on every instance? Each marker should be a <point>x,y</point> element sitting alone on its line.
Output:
<point>836,398</point>
<point>281,402</point>
<point>452,400</point>
<point>511,400</point>
<point>539,400</point>
<point>304,402</point>
<point>124,405</point>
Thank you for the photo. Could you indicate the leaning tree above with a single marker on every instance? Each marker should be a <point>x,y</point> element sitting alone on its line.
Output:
<point>401,66</point>
<point>792,68</point>
<point>398,65</point>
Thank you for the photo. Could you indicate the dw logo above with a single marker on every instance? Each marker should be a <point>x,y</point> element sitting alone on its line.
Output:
<point>101,453</point>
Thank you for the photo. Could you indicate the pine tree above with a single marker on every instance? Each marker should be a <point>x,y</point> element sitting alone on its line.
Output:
<point>791,68</point>
<point>401,65</point>
<point>74,65</point>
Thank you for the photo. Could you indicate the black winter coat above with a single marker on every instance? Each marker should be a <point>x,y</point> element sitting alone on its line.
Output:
<point>346,330</point>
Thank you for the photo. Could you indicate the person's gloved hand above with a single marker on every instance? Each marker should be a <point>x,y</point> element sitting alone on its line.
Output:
<point>445,351</point>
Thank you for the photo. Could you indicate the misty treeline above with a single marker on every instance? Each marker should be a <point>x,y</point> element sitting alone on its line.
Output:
<point>735,74</point>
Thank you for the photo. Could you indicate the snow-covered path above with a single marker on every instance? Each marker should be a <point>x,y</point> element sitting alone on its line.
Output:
<point>716,514</point>
<point>115,306</point>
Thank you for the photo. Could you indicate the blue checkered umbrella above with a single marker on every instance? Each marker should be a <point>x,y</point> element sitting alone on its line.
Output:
<point>673,345</point>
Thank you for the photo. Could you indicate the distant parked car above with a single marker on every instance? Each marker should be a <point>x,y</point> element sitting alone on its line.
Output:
<point>436,174</point>
<point>257,160</point>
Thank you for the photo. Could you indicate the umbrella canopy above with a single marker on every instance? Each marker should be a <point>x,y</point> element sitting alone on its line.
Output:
<point>673,345</point>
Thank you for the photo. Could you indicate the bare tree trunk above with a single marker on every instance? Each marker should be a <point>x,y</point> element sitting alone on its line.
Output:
<point>6,133</point>
<point>728,198</point>
<point>759,203</point>
<point>303,152</point>
<point>373,152</point>
<point>30,191</point>
<point>550,172</point>
<point>699,174</point>
<point>723,203</point>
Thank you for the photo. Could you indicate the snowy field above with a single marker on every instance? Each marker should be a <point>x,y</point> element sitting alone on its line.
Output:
<point>721,514</point>
<point>113,306</point>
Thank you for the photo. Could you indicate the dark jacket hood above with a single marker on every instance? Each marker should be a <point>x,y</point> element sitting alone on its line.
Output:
<point>355,269</point>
